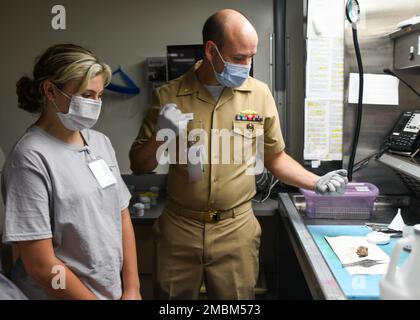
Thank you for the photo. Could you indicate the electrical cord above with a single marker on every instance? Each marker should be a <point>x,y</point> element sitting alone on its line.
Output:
<point>265,185</point>
<point>262,178</point>
<point>391,73</point>
<point>364,162</point>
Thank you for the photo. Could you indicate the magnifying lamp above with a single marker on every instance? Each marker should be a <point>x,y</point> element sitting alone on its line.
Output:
<point>353,12</point>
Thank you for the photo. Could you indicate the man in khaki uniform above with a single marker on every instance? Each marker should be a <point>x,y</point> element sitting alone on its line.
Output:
<point>208,230</point>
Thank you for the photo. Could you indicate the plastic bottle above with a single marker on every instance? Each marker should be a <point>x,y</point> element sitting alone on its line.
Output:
<point>403,283</point>
<point>146,202</point>
<point>138,209</point>
<point>154,191</point>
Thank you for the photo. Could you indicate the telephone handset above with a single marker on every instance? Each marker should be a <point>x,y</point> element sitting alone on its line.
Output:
<point>404,138</point>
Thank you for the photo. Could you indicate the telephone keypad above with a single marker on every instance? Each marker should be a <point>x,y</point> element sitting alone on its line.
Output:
<point>404,140</point>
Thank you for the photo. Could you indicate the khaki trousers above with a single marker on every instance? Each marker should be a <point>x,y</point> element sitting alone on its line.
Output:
<point>224,254</point>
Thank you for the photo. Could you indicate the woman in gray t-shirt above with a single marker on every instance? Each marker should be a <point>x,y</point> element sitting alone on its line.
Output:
<point>66,204</point>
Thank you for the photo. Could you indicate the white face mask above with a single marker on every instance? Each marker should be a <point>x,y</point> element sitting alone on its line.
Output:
<point>83,113</point>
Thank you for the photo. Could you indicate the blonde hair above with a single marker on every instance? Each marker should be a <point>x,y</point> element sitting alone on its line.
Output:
<point>59,64</point>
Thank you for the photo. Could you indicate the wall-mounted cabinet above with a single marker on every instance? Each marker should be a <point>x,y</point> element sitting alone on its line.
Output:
<point>407,47</point>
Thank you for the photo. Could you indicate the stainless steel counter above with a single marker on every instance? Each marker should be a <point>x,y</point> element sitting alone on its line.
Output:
<point>318,275</point>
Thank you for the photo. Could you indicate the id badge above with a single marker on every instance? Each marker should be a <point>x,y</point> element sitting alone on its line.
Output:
<point>102,173</point>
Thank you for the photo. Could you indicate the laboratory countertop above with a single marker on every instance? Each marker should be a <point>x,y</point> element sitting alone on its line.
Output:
<point>319,277</point>
<point>267,208</point>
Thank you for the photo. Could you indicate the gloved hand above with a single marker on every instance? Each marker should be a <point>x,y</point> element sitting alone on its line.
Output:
<point>170,117</point>
<point>332,182</point>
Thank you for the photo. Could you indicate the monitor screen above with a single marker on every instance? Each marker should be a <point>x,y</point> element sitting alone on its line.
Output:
<point>181,58</point>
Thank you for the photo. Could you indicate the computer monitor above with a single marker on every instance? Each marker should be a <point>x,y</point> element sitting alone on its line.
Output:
<point>182,57</point>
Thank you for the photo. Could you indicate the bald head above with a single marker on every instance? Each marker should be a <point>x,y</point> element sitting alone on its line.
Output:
<point>228,37</point>
<point>228,25</point>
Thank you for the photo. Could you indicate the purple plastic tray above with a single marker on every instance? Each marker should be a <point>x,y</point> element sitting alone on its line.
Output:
<point>356,203</point>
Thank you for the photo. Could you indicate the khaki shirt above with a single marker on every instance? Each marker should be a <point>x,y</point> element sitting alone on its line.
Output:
<point>224,186</point>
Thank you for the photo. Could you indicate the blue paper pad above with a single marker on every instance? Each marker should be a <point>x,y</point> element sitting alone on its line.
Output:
<point>353,286</point>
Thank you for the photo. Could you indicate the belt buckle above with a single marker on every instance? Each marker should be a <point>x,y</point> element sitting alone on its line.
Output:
<point>211,216</point>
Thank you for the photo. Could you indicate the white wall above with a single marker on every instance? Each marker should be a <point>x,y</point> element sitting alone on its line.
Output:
<point>123,32</point>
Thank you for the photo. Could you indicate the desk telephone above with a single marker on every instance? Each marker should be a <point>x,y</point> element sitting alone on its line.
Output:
<point>404,139</point>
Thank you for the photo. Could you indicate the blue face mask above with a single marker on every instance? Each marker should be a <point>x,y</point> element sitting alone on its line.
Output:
<point>233,75</point>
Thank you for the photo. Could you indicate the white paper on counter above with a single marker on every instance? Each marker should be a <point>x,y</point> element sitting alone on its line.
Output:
<point>323,129</point>
<point>377,89</point>
<point>345,248</point>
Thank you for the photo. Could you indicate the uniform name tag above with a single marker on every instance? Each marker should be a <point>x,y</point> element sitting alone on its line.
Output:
<point>102,173</point>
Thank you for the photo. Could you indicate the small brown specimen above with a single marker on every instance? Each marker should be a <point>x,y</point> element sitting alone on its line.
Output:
<point>362,251</point>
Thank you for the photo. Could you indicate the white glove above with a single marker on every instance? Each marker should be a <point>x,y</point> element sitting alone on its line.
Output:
<point>332,182</point>
<point>170,118</point>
